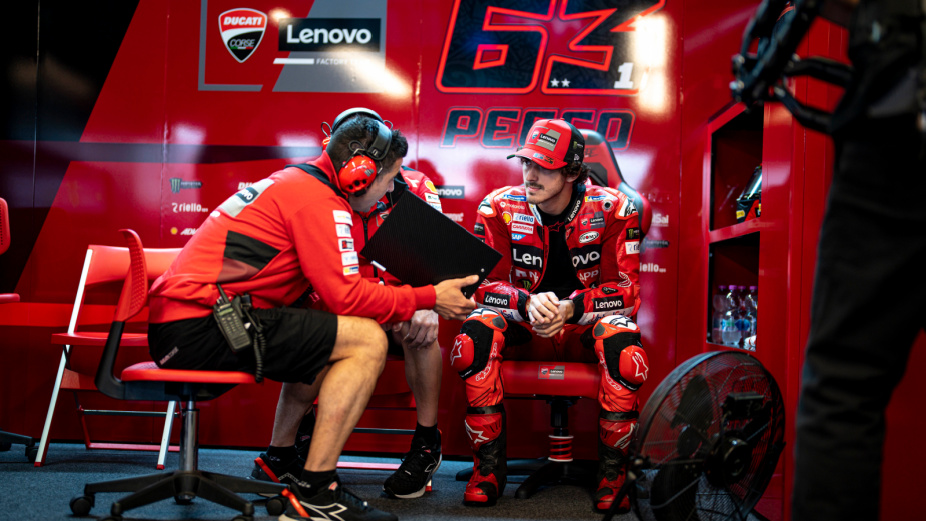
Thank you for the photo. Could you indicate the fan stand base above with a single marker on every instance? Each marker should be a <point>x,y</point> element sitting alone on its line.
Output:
<point>543,472</point>
<point>635,467</point>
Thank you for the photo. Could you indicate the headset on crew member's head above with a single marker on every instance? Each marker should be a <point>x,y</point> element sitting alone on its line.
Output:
<point>362,168</point>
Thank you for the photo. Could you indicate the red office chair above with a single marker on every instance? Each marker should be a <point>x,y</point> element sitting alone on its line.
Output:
<point>531,379</point>
<point>602,162</point>
<point>145,381</point>
<point>103,267</point>
<point>571,381</point>
<point>7,439</point>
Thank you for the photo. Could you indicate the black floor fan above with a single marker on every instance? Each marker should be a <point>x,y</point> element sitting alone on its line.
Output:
<point>708,442</point>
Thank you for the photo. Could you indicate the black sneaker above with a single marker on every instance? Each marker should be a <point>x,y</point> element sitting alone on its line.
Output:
<point>414,475</point>
<point>266,470</point>
<point>335,502</point>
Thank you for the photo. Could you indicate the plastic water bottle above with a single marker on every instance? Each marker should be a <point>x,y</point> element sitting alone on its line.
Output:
<point>729,333</point>
<point>719,305</point>
<point>751,302</point>
<point>743,321</point>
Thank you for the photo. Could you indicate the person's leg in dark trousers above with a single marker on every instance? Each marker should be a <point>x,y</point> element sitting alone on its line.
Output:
<point>868,306</point>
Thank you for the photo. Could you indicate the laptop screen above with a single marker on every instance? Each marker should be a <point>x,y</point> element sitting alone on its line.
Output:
<point>420,246</point>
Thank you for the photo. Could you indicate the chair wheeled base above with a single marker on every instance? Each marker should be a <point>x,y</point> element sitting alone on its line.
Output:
<point>184,484</point>
<point>7,439</point>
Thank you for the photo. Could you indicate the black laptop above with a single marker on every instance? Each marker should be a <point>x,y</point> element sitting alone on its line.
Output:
<point>420,246</point>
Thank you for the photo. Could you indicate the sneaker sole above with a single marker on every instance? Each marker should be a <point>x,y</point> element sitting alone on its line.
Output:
<point>420,492</point>
<point>264,494</point>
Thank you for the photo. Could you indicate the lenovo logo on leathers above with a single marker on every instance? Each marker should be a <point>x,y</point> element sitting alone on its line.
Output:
<point>530,258</point>
<point>496,299</point>
<point>606,304</point>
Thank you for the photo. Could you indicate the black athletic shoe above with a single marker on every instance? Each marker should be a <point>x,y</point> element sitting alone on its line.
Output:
<point>414,475</point>
<point>334,502</point>
<point>266,470</point>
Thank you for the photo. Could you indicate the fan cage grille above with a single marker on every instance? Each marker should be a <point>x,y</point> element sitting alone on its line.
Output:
<point>703,460</point>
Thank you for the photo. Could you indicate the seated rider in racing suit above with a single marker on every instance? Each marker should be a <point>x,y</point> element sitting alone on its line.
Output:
<point>569,278</point>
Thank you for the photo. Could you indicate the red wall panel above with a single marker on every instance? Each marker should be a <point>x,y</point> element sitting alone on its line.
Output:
<point>176,104</point>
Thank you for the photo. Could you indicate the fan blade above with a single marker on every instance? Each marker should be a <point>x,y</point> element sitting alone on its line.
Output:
<point>696,407</point>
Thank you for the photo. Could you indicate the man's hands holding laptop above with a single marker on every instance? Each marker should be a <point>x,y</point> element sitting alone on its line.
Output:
<point>451,304</point>
<point>421,331</point>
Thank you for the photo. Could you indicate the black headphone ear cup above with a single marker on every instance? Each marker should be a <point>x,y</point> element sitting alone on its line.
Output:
<point>357,173</point>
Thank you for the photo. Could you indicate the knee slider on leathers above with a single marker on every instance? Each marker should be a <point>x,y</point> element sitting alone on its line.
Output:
<point>473,346</point>
<point>623,350</point>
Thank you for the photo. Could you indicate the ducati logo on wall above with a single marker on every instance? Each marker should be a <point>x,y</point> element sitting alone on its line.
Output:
<point>242,30</point>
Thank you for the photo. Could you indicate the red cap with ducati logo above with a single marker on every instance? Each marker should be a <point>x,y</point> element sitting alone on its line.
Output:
<point>553,143</point>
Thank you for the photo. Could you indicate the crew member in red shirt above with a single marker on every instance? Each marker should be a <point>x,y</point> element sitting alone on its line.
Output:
<point>414,339</point>
<point>565,289</point>
<point>282,237</point>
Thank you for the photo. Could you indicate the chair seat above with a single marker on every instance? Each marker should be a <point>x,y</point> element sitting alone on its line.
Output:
<point>98,338</point>
<point>150,372</point>
<point>8,298</point>
<point>530,378</point>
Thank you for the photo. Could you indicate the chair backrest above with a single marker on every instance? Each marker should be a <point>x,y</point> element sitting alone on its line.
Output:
<point>134,294</point>
<point>5,298</point>
<point>600,158</point>
<point>4,226</point>
<point>107,264</point>
<point>133,298</point>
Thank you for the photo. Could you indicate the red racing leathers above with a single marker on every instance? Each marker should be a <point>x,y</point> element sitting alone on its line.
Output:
<point>603,240</point>
<point>274,240</point>
<point>603,237</point>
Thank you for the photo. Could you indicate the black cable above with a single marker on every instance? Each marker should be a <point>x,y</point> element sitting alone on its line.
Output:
<point>260,343</point>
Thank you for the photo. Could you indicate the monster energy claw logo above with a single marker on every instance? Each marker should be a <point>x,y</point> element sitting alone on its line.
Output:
<point>177,184</point>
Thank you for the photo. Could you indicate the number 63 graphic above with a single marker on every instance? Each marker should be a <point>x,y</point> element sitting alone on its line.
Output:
<point>500,47</point>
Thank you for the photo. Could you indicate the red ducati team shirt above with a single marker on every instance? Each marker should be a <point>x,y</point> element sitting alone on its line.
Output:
<point>274,240</point>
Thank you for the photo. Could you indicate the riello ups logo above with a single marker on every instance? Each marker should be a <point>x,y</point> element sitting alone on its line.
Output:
<point>241,30</point>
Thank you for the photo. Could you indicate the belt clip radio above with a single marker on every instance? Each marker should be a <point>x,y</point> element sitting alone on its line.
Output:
<point>230,317</point>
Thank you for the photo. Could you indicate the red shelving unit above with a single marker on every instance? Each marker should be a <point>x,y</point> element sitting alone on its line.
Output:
<point>775,252</point>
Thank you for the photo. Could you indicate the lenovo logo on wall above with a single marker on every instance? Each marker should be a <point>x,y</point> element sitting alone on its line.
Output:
<point>242,30</point>
<point>330,34</point>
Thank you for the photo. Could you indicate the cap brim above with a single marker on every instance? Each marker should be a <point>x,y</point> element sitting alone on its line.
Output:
<point>545,160</point>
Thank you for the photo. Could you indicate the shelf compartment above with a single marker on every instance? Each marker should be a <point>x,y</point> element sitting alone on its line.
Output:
<point>735,152</point>
<point>732,261</point>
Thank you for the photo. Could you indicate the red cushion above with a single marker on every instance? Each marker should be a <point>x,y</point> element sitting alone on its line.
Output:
<point>528,378</point>
<point>98,338</point>
<point>7,298</point>
<point>150,372</point>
